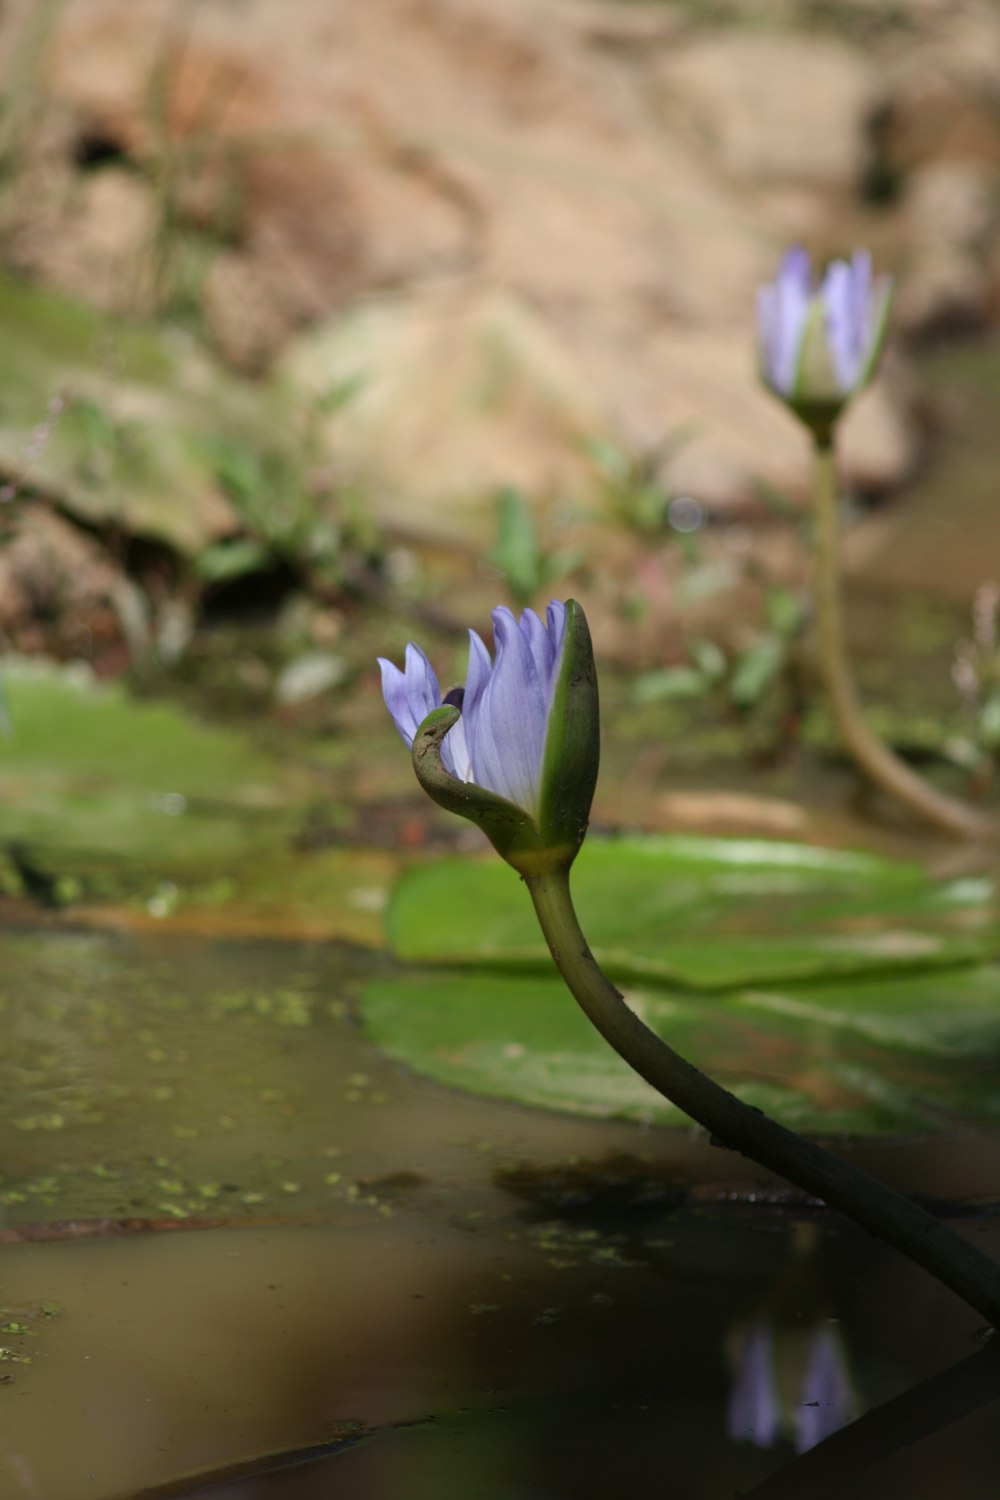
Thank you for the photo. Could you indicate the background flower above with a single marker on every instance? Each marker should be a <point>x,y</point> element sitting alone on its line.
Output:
<point>821,345</point>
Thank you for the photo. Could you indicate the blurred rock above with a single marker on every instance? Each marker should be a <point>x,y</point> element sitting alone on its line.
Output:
<point>941,82</point>
<point>108,258</point>
<point>54,581</point>
<point>732,441</point>
<point>319,228</point>
<point>571,204</point>
<point>954,203</point>
<point>945,291</point>
<point>128,426</point>
<point>462,393</point>
<point>308,676</point>
<point>952,210</point>
<point>459,394</point>
<point>879,446</point>
<point>774,108</point>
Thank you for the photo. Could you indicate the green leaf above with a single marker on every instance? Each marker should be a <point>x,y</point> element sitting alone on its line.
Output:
<point>756,670</point>
<point>785,612</point>
<point>667,684</point>
<point>518,552</point>
<point>232,559</point>
<point>706,913</point>
<point>709,658</point>
<point>886,1055</point>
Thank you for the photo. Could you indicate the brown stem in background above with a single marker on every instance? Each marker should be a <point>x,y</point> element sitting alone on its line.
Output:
<point>880,764</point>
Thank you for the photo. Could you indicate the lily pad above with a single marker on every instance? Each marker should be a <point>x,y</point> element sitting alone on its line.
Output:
<point>87,770</point>
<point>705,913</point>
<point>841,992</point>
<point>109,801</point>
<point>894,1055</point>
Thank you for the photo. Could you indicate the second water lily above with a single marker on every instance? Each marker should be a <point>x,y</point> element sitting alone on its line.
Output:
<point>818,344</point>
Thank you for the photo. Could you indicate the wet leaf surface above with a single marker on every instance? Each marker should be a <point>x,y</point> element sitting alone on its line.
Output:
<point>840,992</point>
<point>143,814</point>
<point>892,1055</point>
<point>705,912</point>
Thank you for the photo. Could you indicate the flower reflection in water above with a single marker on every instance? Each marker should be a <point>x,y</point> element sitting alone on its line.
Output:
<point>789,1381</point>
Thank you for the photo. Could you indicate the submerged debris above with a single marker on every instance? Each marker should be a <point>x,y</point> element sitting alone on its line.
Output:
<point>611,1185</point>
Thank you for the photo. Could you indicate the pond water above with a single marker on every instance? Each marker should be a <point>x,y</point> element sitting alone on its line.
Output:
<point>457,1297</point>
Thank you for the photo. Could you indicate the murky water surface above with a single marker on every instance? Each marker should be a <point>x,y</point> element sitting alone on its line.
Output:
<point>463,1298</point>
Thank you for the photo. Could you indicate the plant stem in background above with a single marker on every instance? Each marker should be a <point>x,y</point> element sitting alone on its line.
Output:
<point>21,84</point>
<point>880,764</point>
<point>884,1212</point>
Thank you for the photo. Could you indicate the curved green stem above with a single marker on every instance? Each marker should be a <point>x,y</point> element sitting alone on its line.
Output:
<point>874,758</point>
<point>886,1213</point>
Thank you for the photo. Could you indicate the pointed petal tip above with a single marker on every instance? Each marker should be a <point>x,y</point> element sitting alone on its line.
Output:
<point>796,265</point>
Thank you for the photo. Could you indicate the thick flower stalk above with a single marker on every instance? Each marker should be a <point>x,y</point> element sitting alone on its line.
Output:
<point>818,346</point>
<point>532,732</point>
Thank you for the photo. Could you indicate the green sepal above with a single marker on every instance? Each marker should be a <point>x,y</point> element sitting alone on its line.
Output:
<point>572,743</point>
<point>814,398</point>
<point>569,768</point>
<point>511,831</point>
<point>819,418</point>
<point>878,338</point>
<point>813,378</point>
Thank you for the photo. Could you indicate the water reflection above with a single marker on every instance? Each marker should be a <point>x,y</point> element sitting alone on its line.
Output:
<point>789,1383</point>
<point>791,1378</point>
<point>548,1290</point>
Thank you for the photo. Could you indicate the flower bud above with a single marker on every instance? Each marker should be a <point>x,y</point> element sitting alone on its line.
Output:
<point>519,755</point>
<point>818,347</point>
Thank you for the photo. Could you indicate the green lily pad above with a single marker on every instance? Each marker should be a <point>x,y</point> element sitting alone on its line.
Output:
<point>705,913</point>
<point>841,992</point>
<point>111,800</point>
<point>87,770</point>
<point>903,1054</point>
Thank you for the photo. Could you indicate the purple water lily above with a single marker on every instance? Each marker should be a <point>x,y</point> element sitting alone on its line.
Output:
<point>499,742</point>
<point>821,344</point>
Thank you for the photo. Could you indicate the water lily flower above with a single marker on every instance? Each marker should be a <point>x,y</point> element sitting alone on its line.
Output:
<point>818,346</point>
<point>516,749</point>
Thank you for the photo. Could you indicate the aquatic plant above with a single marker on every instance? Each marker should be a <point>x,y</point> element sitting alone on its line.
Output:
<point>757,683</point>
<point>523,766</point>
<point>516,750</point>
<point>818,347</point>
<point>528,567</point>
